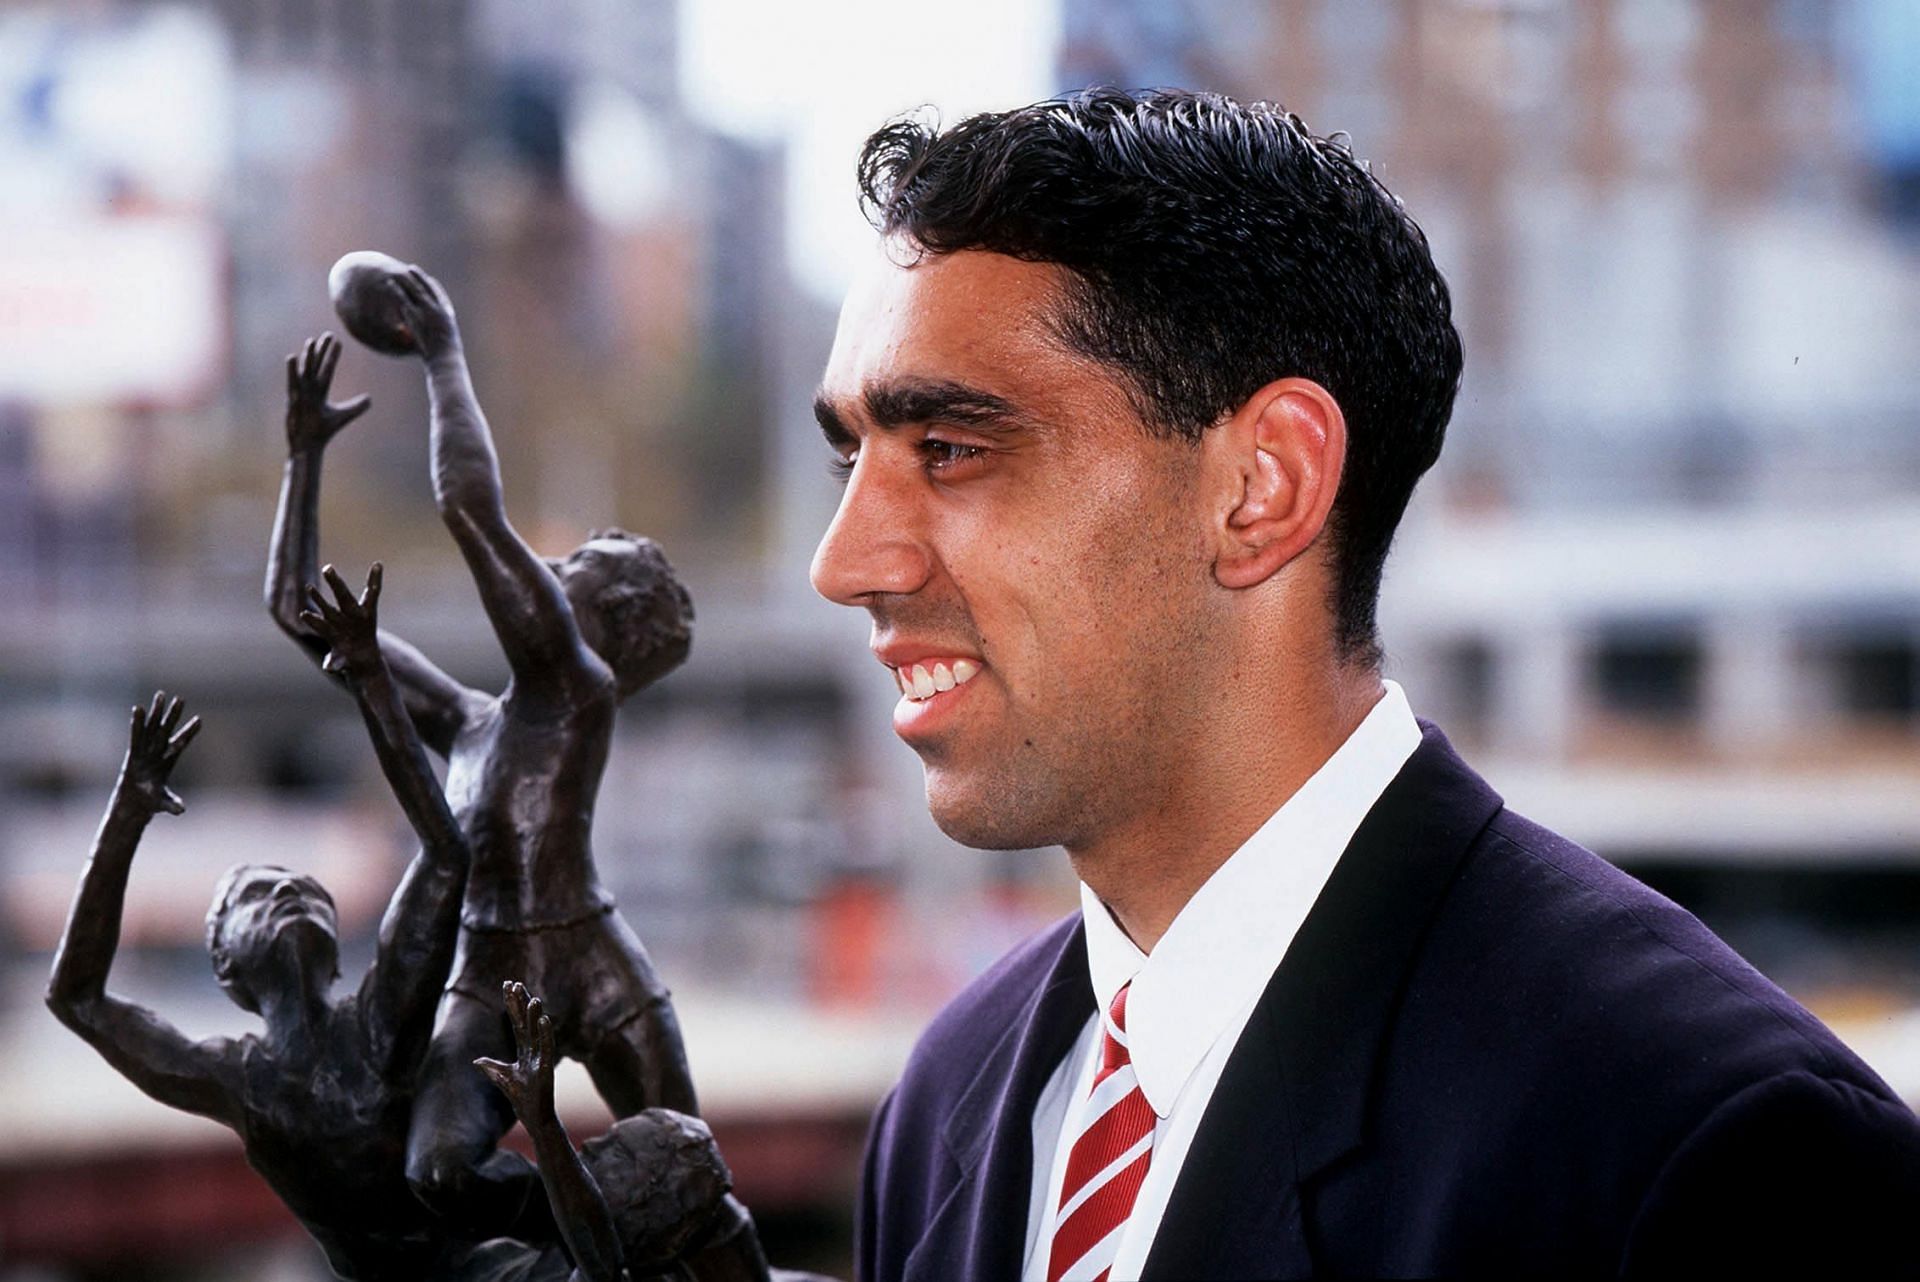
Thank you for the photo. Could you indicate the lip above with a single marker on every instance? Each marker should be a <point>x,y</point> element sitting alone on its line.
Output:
<point>904,654</point>
<point>282,909</point>
<point>918,719</point>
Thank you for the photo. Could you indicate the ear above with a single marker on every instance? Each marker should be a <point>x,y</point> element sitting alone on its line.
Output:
<point>223,971</point>
<point>1284,451</point>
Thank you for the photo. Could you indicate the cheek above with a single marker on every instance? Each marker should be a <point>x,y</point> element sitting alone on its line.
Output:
<point>1133,606</point>
<point>1072,589</point>
<point>1077,618</point>
<point>1010,589</point>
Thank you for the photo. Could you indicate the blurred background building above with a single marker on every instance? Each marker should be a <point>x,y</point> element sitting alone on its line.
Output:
<point>1664,588</point>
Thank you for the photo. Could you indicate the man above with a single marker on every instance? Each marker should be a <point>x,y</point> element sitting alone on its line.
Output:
<point>1128,408</point>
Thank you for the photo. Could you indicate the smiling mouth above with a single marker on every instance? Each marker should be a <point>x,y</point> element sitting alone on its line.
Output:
<point>922,681</point>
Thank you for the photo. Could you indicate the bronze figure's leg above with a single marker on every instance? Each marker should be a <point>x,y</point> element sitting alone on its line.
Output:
<point>453,1162</point>
<point>629,1036</point>
<point>643,1065</point>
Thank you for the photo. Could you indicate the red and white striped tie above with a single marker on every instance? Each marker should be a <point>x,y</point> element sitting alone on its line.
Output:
<point>1107,1164</point>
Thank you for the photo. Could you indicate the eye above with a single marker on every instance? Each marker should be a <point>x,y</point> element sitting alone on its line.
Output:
<point>840,466</point>
<point>940,455</point>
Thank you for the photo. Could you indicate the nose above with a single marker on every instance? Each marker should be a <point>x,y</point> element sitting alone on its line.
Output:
<point>875,544</point>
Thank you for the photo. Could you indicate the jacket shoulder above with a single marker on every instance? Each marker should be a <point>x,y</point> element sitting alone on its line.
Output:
<point>1574,1055</point>
<point>1832,1169</point>
<point>909,1171</point>
<point>1674,983</point>
<point>975,1019</point>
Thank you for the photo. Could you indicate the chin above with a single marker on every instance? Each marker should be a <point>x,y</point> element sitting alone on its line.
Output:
<point>311,940</point>
<point>987,816</point>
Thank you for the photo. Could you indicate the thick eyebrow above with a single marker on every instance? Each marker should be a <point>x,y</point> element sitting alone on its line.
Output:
<point>831,426</point>
<point>892,405</point>
<point>897,404</point>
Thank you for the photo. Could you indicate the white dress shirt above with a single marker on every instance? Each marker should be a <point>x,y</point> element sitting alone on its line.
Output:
<point>1193,995</point>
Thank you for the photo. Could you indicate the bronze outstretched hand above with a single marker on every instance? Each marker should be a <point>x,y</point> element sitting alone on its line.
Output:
<point>579,1208</point>
<point>154,744</point>
<point>426,311</point>
<point>528,1081</point>
<point>313,420</point>
<point>349,626</point>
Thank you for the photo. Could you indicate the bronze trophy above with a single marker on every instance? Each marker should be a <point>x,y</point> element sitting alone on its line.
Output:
<point>376,1116</point>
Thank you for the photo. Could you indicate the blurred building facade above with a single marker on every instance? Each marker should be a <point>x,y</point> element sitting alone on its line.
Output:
<point>1664,587</point>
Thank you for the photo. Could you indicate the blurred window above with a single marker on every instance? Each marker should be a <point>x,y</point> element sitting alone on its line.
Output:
<point>1467,669</point>
<point>1877,676</point>
<point>1653,674</point>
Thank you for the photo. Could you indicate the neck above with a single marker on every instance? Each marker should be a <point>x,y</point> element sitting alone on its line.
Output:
<point>294,1018</point>
<point>1242,769</point>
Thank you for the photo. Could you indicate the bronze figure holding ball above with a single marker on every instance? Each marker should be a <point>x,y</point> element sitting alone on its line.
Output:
<point>376,1117</point>
<point>522,771</point>
<point>523,768</point>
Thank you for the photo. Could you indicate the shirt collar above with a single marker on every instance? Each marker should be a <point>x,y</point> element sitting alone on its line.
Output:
<point>1224,945</point>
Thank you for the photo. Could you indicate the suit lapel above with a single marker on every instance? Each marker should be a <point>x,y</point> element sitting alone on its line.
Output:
<point>1235,1210</point>
<point>980,1229</point>
<point>1293,1096</point>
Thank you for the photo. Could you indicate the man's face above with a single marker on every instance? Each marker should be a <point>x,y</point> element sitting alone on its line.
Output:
<point>1009,520</point>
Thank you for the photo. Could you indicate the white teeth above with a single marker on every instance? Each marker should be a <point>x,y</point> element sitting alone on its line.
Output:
<point>918,684</point>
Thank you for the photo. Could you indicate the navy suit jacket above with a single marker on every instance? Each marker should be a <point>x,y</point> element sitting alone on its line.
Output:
<point>1487,1052</point>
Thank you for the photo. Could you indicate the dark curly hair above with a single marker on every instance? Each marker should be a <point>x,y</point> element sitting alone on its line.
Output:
<point>1212,247</point>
